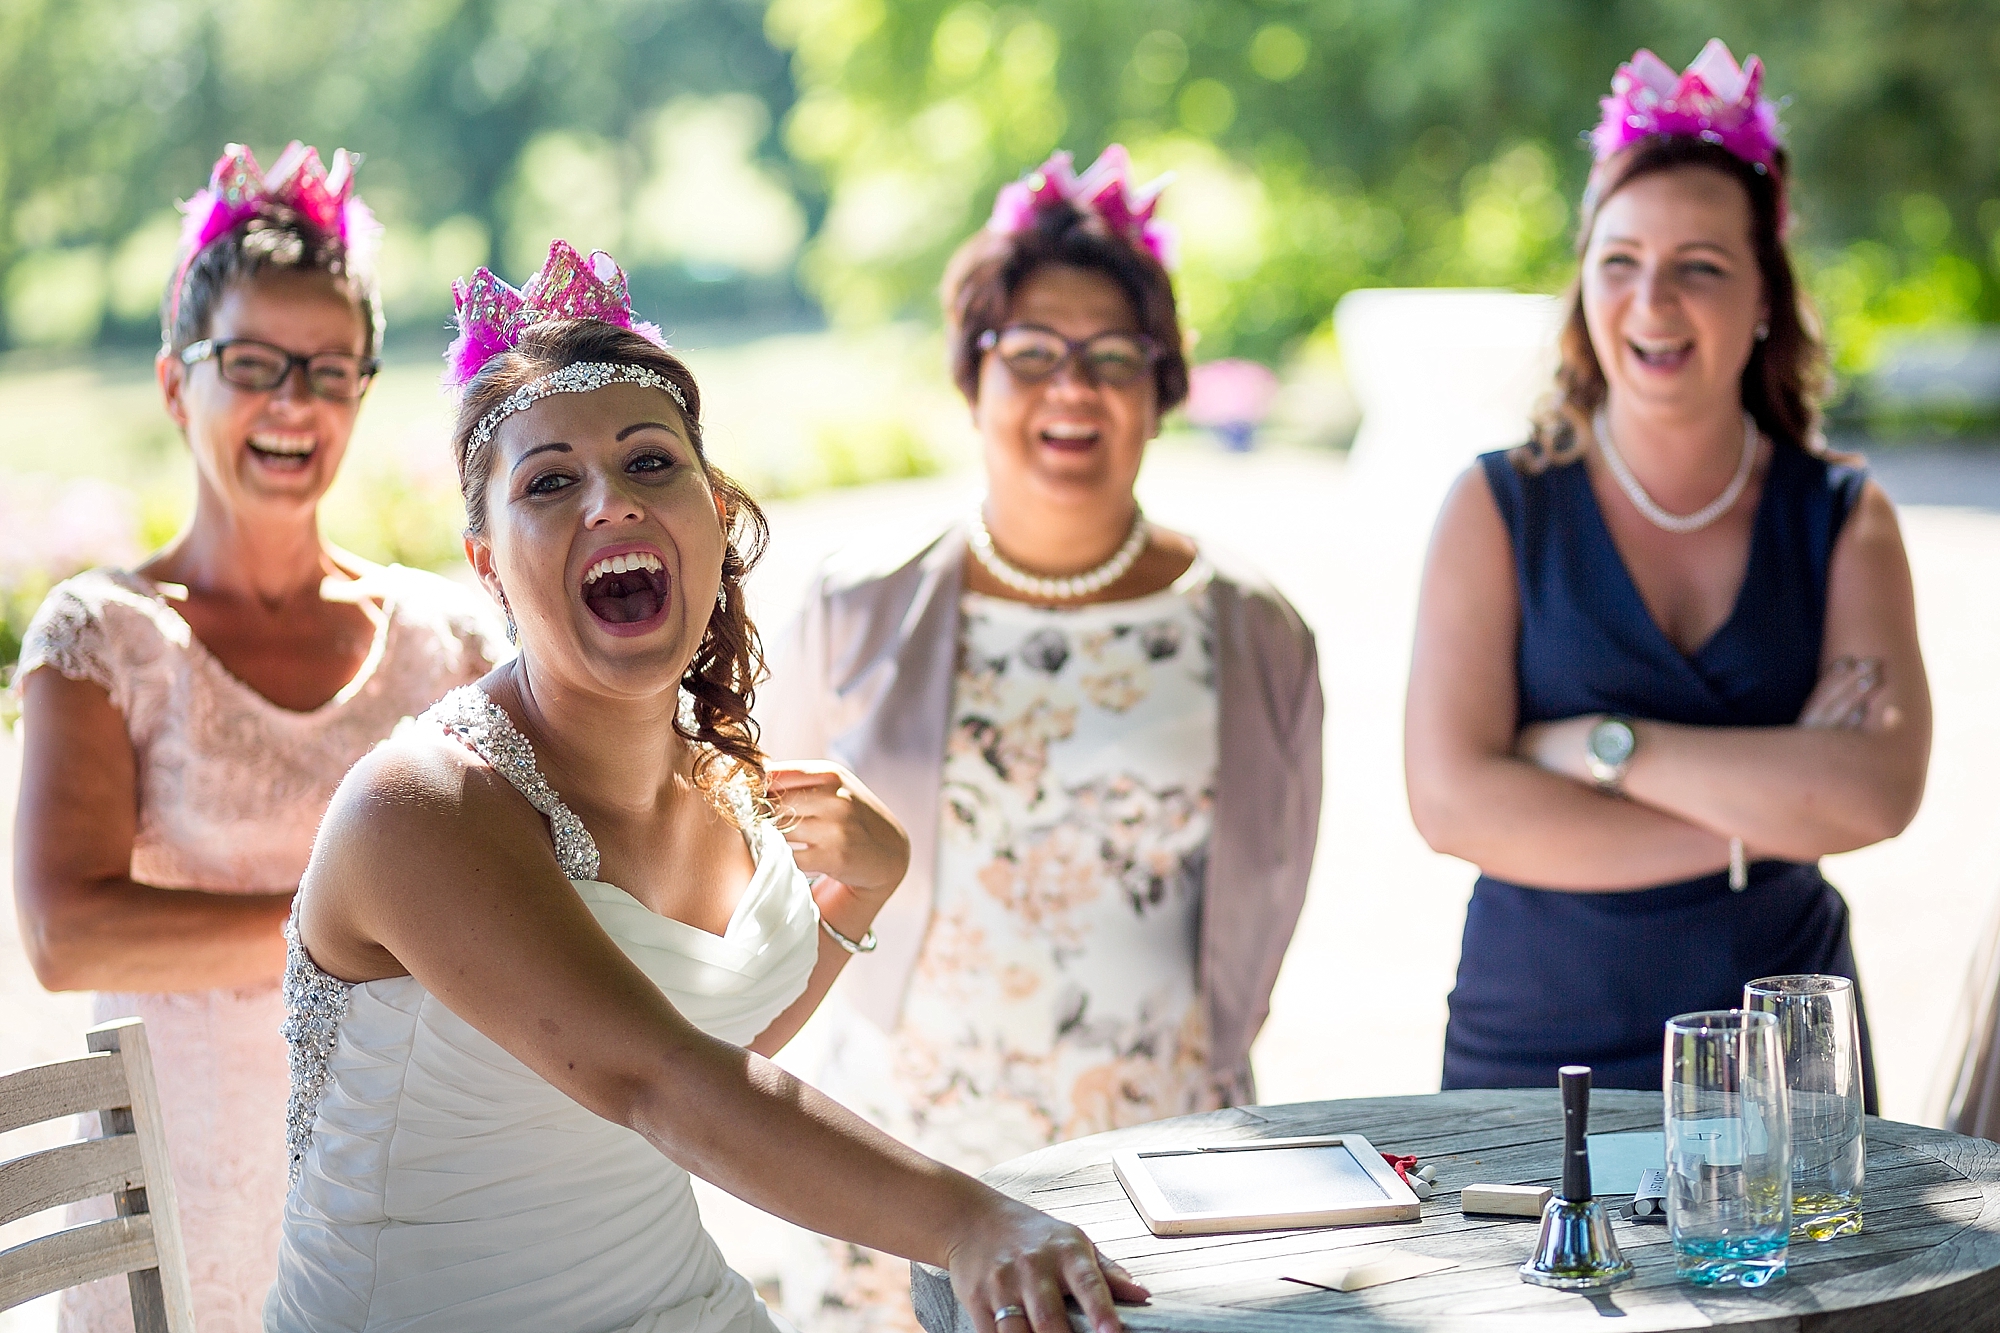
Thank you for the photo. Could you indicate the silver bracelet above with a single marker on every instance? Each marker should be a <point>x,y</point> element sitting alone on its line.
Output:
<point>866,944</point>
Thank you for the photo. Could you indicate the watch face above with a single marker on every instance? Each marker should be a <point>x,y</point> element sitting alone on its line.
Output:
<point>1611,742</point>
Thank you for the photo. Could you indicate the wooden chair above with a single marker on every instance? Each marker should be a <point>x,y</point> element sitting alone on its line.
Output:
<point>129,1162</point>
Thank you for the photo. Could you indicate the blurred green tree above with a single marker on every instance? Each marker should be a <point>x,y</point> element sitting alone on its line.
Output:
<point>1324,144</point>
<point>1321,144</point>
<point>488,125</point>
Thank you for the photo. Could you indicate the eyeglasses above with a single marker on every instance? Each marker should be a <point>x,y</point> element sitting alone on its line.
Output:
<point>1032,354</point>
<point>260,367</point>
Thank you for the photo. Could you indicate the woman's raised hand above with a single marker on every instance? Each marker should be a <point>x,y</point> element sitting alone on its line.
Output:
<point>838,828</point>
<point>1018,1262</point>
<point>1844,697</point>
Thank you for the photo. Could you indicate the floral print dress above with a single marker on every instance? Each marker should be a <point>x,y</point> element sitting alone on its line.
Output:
<point>1055,994</point>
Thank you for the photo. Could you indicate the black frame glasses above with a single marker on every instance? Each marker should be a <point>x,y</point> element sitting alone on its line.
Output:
<point>235,372</point>
<point>1076,352</point>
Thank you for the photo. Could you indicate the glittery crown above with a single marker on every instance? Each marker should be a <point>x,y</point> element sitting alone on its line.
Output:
<point>238,190</point>
<point>1713,100</point>
<point>492,316</point>
<point>1105,189</point>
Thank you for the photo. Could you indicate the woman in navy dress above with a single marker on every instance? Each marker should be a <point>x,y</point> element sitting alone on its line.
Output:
<point>1666,652</point>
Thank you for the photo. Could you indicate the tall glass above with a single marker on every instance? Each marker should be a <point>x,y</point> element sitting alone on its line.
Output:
<point>1820,1032</point>
<point>1729,1148</point>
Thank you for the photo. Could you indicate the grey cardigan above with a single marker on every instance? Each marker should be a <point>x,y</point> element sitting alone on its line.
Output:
<point>864,676</point>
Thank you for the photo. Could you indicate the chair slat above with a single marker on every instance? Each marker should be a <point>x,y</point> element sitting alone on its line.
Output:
<point>79,1255</point>
<point>30,1096</point>
<point>165,1306</point>
<point>64,1175</point>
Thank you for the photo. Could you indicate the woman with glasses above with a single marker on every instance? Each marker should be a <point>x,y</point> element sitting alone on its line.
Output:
<point>188,719</point>
<point>1102,736</point>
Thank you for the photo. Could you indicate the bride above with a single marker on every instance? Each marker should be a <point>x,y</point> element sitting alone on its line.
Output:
<point>551,931</point>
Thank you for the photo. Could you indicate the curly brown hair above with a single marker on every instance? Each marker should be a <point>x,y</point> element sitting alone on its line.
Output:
<point>728,664</point>
<point>1786,376</point>
<point>990,266</point>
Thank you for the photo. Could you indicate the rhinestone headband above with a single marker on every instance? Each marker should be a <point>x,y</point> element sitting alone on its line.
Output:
<point>578,377</point>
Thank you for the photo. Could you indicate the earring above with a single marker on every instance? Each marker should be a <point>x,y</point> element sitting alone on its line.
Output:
<point>513,631</point>
<point>1763,330</point>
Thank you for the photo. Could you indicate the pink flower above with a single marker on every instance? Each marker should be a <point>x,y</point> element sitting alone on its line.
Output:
<point>52,529</point>
<point>1230,393</point>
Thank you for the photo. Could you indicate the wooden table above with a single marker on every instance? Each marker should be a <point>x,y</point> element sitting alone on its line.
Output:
<point>1928,1258</point>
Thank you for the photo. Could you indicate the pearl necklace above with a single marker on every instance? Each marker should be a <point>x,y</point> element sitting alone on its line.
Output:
<point>1600,425</point>
<point>1058,589</point>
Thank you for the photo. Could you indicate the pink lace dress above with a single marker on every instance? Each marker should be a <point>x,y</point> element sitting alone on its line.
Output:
<point>231,789</point>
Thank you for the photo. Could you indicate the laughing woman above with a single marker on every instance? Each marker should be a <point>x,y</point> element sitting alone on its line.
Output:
<point>1104,737</point>
<point>550,931</point>
<point>188,720</point>
<point>1666,653</point>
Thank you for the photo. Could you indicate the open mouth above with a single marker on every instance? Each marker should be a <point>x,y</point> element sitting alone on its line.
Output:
<point>1069,435</point>
<point>1662,355</point>
<point>283,451</point>
<point>628,590</point>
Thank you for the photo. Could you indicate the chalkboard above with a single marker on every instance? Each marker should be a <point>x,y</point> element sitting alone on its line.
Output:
<point>1319,1181</point>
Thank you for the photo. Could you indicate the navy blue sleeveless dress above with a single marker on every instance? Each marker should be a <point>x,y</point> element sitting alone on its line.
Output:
<point>1547,978</point>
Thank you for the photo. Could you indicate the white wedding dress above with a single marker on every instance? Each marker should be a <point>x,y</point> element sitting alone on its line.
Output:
<point>439,1184</point>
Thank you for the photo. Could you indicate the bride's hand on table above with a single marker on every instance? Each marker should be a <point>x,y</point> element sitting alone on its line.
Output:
<point>1017,1257</point>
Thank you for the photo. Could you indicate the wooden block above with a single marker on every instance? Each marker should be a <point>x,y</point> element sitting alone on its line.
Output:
<point>1505,1200</point>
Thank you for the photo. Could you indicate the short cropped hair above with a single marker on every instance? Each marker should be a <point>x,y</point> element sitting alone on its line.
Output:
<point>985,272</point>
<point>274,238</point>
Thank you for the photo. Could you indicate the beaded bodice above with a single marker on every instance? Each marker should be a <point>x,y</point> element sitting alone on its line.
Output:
<point>439,1181</point>
<point>469,716</point>
<point>315,1001</point>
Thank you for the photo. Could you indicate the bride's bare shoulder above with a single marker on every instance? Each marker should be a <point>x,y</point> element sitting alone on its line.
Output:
<point>420,804</point>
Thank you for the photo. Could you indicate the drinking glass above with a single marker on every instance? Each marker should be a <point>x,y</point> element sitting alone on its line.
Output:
<point>1729,1148</point>
<point>1820,1034</point>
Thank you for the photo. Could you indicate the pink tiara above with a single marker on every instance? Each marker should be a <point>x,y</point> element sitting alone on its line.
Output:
<point>238,190</point>
<point>1105,190</point>
<point>492,316</point>
<point>1714,100</point>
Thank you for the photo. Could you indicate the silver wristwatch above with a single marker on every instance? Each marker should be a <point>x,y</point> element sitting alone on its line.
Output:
<point>1608,751</point>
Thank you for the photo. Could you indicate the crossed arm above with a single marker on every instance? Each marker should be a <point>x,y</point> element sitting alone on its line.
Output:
<point>1519,802</point>
<point>87,924</point>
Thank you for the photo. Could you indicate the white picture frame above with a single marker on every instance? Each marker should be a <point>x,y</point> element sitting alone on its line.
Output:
<point>1155,1198</point>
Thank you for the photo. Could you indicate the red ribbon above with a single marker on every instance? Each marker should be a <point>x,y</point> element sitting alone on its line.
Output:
<point>1403,1165</point>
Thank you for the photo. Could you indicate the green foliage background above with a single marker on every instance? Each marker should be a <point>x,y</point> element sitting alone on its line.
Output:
<point>487,125</point>
<point>1388,141</point>
<point>1321,144</point>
